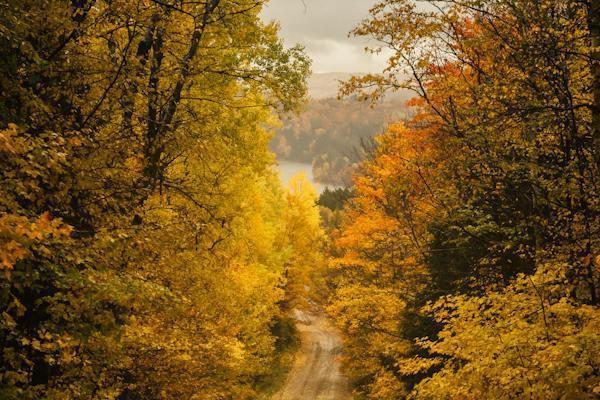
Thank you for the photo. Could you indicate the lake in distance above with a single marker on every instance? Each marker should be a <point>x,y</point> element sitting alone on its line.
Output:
<point>287,169</point>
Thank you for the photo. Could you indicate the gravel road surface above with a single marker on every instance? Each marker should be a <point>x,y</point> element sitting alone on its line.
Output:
<point>316,372</point>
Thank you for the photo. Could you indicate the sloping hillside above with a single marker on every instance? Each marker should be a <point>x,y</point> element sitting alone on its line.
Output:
<point>329,134</point>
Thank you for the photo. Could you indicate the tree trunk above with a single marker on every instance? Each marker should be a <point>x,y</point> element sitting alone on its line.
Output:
<point>594,27</point>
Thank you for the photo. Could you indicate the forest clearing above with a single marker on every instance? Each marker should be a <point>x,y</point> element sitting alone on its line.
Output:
<point>149,250</point>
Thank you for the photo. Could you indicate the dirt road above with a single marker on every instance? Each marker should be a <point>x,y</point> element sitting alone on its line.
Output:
<point>316,371</point>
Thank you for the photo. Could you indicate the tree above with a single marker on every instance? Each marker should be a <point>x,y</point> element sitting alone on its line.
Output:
<point>380,276</point>
<point>132,134</point>
<point>511,242</point>
<point>304,240</point>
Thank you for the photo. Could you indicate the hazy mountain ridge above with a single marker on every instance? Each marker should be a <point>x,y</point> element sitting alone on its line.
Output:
<point>326,85</point>
<point>328,132</point>
<point>328,135</point>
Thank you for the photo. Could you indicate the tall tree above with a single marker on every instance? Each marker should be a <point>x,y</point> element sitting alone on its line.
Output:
<point>512,244</point>
<point>132,135</point>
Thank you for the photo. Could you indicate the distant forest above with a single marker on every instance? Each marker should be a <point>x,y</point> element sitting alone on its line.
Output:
<point>329,134</point>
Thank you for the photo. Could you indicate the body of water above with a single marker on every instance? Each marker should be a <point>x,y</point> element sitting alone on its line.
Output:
<point>287,169</point>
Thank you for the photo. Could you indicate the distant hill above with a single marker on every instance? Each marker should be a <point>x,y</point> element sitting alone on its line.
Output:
<point>325,85</point>
<point>329,134</point>
<point>322,86</point>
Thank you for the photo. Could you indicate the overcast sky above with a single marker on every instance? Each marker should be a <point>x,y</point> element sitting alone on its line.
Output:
<point>322,26</point>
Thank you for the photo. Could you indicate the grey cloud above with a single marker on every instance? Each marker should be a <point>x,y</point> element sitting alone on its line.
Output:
<point>322,26</point>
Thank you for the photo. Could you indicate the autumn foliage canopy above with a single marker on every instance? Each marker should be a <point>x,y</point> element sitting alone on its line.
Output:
<point>467,267</point>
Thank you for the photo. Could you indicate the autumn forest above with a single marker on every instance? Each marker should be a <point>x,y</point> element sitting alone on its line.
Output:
<point>149,250</point>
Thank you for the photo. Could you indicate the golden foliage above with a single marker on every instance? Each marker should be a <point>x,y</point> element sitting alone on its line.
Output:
<point>482,217</point>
